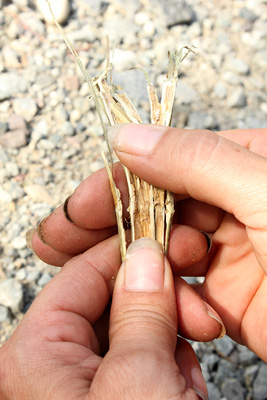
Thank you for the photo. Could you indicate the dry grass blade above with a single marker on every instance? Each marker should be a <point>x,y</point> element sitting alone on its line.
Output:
<point>151,209</point>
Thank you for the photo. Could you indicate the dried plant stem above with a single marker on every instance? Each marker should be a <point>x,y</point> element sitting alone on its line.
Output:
<point>150,209</point>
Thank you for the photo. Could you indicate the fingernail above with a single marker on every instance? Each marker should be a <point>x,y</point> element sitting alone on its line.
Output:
<point>40,230</point>
<point>135,139</point>
<point>209,241</point>
<point>215,316</point>
<point>144,266</point>
<point>29,235</point>
<point>199,384</point>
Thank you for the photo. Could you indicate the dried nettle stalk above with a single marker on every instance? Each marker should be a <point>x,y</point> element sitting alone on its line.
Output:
<point>150,209</point>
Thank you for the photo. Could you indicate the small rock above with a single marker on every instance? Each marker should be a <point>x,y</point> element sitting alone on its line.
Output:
<point>71,82</point>
<point>19,243</point>
<point>83,34</point>
<point>124,59</point>
<point>38,193</point>
<point>60,8</point>
<point>16,121</point>
<point>225,345</point>
<point>238,65</point>
<point>134,84</point>
<point>5,197</point>
<point>4,314</point>
<point>237,98</point>
<point>3,127</point>
<point>247,14</point>
<point>220,90</point>
<point>61,114</point>
<point>14,139</point>
<point>201,120</point>
<point>11,294</point>
<point>259,385</point>
<point>232,390</point>
<point>185,93</point>
<point>174,12</point>
<point>11,84</point>
<point>45,278</point>
<point>213,391</point>
<point>250,373</point>
<point>67,128</point>
<point>10,58</point>
<point>25,106</point>
<point>44,79</point>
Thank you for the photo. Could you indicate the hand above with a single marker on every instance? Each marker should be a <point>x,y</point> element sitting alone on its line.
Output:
<point>54,354</point>
<point>223,177</point>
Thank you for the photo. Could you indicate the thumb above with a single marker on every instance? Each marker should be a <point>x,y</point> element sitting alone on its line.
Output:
<point>142,360</point>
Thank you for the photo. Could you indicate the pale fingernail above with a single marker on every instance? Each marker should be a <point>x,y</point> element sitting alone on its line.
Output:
<point>199,384</point>
<point>215,316</point>
<point>144,266</point>
<point>29,236</point>
<point>134,138</point>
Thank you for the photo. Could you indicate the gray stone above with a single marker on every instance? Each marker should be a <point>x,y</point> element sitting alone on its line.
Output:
<point>213,391</point>
<point>237,98</point>
<point>11,169</point>
<point>174,12</point>
<point>11,84</point>
<point>45,278</point>
<point>61,114</point>
<point>134,84</point>
<point>25,106</point>
<point>44,79</point>
<point>40,131</point>
<point>260,384</point>
<point>246,356</point>
<point>224,346</point>
<point>201,120</point>
<point>83,34</point>
<point>237,65</point>
<point>11,294</point>
<point>247,14</point>
<point>225,370</point>
<point>3,127</point>
<point>186,94</point>
<point>14,139</point>
<point>220,90</point>
<point>250,374</point>
<point>67,129</point>
<point>232,390</point>
<point>4,314</point>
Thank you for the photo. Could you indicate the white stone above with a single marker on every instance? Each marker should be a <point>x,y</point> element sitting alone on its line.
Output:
<point>11,294</point>
<point>60,8</point>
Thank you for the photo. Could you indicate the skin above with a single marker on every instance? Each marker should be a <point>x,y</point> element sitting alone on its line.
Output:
<point>220,186</point>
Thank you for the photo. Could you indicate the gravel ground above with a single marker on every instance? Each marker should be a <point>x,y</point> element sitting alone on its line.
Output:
<point>50,138</point>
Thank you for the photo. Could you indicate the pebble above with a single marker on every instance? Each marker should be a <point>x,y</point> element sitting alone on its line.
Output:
<point>14,139</point>
<point>60,8</point>
<point>26,107</point>
<point>237,98</point>
<point>259,384</point>
<point>45,278</point>
<point>11,84</point>
<point>11,294</point>
<point>4,314</point>
<point>232,390</point>
<point>213,391</point>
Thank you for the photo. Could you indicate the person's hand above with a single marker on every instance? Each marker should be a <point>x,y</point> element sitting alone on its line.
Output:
<point>223,176</point>
<point>55,353</point>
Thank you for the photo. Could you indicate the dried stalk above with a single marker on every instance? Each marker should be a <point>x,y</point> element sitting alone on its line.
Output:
<point>151,209</point>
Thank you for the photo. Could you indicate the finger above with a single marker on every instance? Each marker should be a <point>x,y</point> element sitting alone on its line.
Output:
<point>203,165</point>
<point>91,206</point>
<point>85,280</point>
<point>143,328</point>
<point>190,368</point>
<point>197,320</point>
<point>187,246</point>
<point>64,236</point>
<point>253,139</point>
<point>199,215</point>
